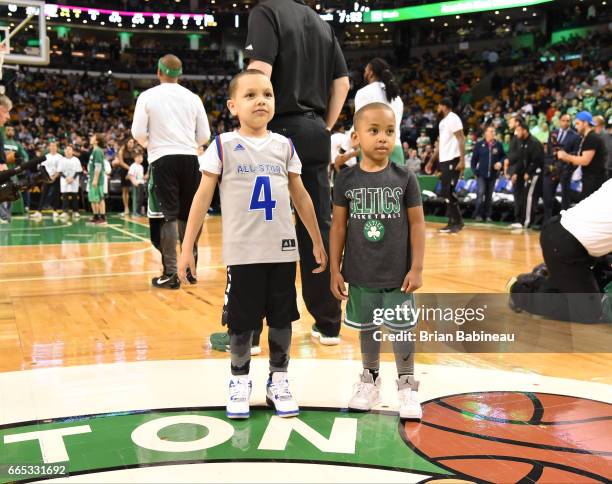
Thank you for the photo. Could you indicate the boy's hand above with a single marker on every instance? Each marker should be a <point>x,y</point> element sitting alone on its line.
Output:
<point>338,287</point>
<point>186,260</point>
<point>412,281</point>
<point>69,180</point>
<point>94,183</point>
<point>320,256</point>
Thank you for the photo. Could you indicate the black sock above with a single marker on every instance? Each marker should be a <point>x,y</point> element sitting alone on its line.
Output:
<point>96,216</point>
<point>374,374</point>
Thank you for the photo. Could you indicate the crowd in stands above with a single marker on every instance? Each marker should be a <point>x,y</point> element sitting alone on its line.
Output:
<point>91,53</point>
<point>70,107</point>
<point>541,90</point>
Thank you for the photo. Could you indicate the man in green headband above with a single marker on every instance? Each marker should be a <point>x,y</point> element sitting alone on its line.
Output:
<point>170,121</point>
<point>169,68</point>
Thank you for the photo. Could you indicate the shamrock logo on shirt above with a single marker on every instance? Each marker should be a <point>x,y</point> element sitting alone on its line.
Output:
<point>374,230</point>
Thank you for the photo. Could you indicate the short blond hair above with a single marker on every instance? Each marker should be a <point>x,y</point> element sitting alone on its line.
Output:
<point>6,102</point>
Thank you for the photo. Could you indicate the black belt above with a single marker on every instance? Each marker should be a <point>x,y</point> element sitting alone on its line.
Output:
<point>306,114</point>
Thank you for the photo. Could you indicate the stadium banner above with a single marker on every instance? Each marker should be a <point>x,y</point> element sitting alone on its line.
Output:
<point>444,8</point>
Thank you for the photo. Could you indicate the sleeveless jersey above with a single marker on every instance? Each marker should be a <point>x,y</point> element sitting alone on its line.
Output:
<point>255,203</point>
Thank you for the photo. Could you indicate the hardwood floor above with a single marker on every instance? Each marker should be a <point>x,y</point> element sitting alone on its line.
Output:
<point>75,294</point>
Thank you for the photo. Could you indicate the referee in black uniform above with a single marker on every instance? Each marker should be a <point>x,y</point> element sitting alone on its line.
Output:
<point>289,42</point>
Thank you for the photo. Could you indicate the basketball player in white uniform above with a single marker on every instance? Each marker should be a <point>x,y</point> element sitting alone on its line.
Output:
<point>259,174</point>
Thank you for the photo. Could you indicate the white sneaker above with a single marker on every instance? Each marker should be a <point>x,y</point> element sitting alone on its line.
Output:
<point>409,406</point>
<point>36,215</point>
<point>76,215</point>
<point>63,216</point>
<point>324,340</point>
<point>238,398</point>
<point>516,226</point>
<point>55,215</point>
<point>366,393</point>
<point>279,396</point>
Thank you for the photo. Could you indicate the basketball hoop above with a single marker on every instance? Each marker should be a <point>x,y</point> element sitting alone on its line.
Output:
<point>4,49</point>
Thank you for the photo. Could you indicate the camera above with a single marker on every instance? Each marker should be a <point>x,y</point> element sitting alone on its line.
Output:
<point>10,190</point>
<point>554,166</point>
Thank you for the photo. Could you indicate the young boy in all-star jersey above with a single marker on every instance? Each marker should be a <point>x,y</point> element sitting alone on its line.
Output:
<point>258,174</point>
<point>378,224</point>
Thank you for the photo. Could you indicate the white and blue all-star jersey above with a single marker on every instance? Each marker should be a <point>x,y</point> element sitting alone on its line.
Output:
<point>257,221</point>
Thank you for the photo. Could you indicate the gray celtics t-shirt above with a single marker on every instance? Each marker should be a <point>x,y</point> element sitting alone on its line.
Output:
<point>377,250</point>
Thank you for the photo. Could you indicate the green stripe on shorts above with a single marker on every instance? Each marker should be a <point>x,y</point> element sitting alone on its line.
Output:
<point>153,210</point>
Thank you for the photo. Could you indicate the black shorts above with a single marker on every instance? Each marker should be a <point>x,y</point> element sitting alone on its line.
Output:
<point>175,183</point>
<point>255,291</point>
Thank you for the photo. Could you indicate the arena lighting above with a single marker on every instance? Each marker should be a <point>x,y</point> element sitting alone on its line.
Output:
<point>65,12</point>
<point>444,8</point>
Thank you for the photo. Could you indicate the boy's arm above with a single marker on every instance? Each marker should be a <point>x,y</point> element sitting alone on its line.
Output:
<point>197,214</point>
<point>337,240</point>
<point>305,209</point>
<point>416,220</point>
<point>342,158</point>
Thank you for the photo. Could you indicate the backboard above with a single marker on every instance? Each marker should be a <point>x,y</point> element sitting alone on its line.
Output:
<point>24,22</point>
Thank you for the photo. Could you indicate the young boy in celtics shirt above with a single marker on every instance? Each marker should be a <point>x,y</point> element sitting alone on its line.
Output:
<point>378,224</point>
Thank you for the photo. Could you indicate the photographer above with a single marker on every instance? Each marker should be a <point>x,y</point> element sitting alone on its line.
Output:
<point>591,155</point>
<point>5,108</point>
<point>570,244</point>
<point>555,170</point>
<point>15,155</point>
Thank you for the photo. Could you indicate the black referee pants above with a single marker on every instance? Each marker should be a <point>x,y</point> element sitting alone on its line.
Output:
<point>312,143</point>
<point>570,271</point>
<point>519,190</point>
<point>449,179</point>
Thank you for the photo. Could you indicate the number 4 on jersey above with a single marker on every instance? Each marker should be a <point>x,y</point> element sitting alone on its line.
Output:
<point>262,184</point>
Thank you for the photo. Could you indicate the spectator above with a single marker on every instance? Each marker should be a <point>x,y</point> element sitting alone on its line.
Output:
<point>413,161</point>
<point>527,173</point>
<point>591,155</point>
<point>554,172</point>
<point>487,158</point>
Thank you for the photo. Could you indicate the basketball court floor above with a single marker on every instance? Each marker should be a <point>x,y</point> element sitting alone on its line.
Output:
<point>104,379</point>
